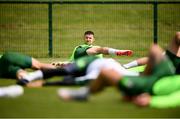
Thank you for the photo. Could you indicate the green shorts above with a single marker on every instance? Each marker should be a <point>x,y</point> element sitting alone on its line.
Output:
<point>11,62</point>
<point>167,85</point>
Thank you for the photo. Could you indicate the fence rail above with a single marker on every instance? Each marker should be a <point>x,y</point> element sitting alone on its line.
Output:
<point>92,2</point>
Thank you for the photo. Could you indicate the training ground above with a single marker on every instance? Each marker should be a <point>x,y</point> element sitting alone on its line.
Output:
<point>24,28</point>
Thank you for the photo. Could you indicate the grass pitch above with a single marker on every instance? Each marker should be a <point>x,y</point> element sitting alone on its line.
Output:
<point>24,28</point>
<point>43,102</point>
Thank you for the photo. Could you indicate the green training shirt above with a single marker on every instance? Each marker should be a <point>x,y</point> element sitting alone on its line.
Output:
<point>84,62</point>
<point>80,51</point>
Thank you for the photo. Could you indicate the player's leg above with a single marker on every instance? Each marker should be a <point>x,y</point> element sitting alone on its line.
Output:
<point>67,81</point>
<point>74,69</point>
<point>166,93</point>
<point>107,77</point>
<point>25,61</point>
<point>39,65</point>
<point>70,69</point>
<point>112,51</point>
<point>108,51</point>
<point>175,41</point>
<point>42,74</point>
<point>177,38</point>
<point>78,68</point>
<point>14,63</point>
<point>17,59</point>
<point>172,82</point>
<point>9,70</point>
<point>77,74</point>
<point>163,97</point>
<point>155,59</point>
<point>137,62</point>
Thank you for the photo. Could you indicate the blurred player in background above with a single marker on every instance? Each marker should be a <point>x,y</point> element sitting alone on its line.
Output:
<point>12,65</point>
<point>11,91</point>
<point>153,88</point>
<point>173,52</point>
<point>80,72</point>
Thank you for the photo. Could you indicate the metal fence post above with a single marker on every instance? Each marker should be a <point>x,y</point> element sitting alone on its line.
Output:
<point>155,21</point>
<point>50,50</point>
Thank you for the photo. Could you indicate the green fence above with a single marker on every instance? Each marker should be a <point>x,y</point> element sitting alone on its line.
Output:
<point>43,29</point>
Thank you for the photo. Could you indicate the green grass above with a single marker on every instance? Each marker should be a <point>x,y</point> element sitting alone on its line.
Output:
<point>43,102</point>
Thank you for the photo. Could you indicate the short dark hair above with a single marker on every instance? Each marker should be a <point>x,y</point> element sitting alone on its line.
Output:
<point>89,32</point>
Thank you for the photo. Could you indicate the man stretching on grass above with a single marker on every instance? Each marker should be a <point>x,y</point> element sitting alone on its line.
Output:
<point>89,49</point>
<point>153,88</point>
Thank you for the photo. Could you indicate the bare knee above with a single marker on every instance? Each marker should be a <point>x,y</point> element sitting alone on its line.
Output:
<point>156,50</point>
<point>178,34</point>
<point>177,38</point>
<point>39,65</point>
<point>110,76</point>
<point>107,77</point>
<point>36,64</point>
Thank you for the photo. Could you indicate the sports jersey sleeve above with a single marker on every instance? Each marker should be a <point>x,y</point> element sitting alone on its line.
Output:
<point>166,101</point>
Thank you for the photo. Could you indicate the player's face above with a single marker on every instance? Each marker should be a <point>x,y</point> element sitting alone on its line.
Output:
<point>89,39</point>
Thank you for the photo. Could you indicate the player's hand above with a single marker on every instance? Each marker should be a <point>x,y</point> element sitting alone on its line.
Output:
<point>60,64</point>
<point>142,99</point>
<point>124,52</point>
